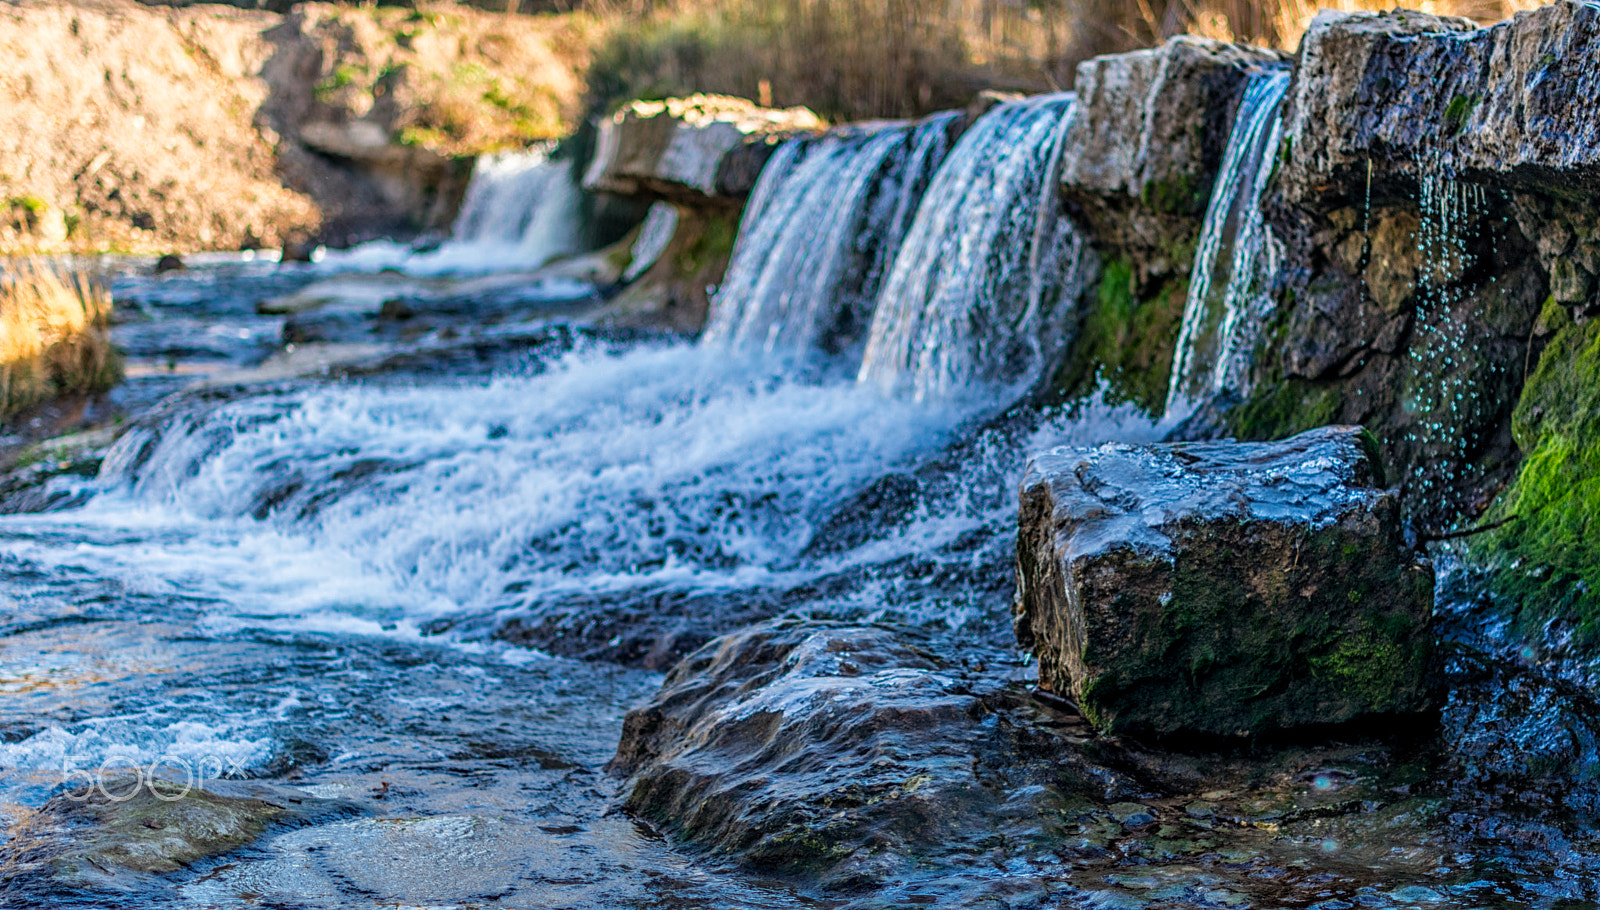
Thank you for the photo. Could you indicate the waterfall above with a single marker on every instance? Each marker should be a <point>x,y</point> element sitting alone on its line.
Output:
<point>973,295</point>
<point>655,235</point>
<point>826,217</point>
<point>521,210</point>
<point>1227,301</point>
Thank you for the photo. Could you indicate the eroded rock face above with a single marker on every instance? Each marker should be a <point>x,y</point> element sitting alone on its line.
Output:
<point>1224,588</point>
<point>839,752</point>
<point>1410,94</point>
<point>700,150</point>
<point>1152,125</point>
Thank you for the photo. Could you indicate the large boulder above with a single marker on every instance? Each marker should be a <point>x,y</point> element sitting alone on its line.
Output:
<point>699,150</point>
<point>1222,589</point>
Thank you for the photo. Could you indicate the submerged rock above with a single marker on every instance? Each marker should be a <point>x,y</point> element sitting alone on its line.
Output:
<point>840,753</point>
<point>1224,588</point>
<point>117,835</point>
<point>694,150</point>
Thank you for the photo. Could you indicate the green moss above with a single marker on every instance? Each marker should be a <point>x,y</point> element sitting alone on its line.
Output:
<point>1283,408</point>
<point>343,76</point>
<point>1457,112</point>
<point>1126,341</point>
<point>714,244</point>
<point>1367,665</point>
<point>1553,317</point>
<point>1181,195</point>
<point>1548,555</point>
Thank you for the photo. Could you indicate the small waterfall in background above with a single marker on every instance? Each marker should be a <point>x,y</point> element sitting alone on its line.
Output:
<point>973,295</point>
<point>521,210</point>
<point>654,236</point>
<point>826,218</point>
<point>1237,256</point>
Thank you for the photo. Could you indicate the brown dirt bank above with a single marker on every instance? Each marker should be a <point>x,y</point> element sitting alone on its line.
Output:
<point>125,126</point>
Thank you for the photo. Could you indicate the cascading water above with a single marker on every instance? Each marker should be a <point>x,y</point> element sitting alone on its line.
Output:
<point>826,217</point>
<point>979,291</point>
<point>1236,257</point>
<point>655,234</point>
<point>521,210</point>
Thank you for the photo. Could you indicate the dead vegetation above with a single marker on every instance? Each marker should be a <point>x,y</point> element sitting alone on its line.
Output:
<point>860,59</point>
<point>54,339</point>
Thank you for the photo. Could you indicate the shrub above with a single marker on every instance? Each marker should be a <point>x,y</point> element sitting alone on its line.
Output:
<point>53,334</point>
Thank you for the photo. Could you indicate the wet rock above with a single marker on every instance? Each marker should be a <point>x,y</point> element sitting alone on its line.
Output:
<point>675,292</point>
<point>1152,125</point>
<point>704,149</point>
<point>171,262</point>
<point>842,753</point>
<point>1223,589</point>
<point>424,183</point>
<point>1404,93</point>
<point>120,834</point>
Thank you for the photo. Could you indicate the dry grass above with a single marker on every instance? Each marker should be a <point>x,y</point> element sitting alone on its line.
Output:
<point>859,59</point>
<point>53,334</point>
<point>1280,23</point>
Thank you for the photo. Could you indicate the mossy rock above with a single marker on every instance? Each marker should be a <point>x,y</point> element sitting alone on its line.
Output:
<point>1548,553</point>
<point>1222,589</point>
<point>1126,341</point>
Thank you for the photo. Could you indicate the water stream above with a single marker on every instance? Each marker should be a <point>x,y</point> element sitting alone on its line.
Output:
<point>519,213</point>
<point>1236,258</point>
<point>982,287</point>
<point>826,218</point>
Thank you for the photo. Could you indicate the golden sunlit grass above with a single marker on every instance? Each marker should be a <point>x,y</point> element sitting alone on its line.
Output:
<point>860,59</point>
<point>53,334</point>
<point>1280,23</point>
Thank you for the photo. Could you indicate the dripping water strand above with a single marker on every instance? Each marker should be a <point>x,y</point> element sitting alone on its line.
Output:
<point>1217,331</point>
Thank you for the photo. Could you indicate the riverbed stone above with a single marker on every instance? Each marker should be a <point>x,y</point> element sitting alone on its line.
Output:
<point>843,753</point>
<point>698,150</point>
<point>1222,589</point>
<point>119,833</point>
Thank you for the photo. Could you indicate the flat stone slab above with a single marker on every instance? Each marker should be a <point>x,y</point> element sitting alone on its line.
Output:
<point>1222,589</point>
<point>695,150</point>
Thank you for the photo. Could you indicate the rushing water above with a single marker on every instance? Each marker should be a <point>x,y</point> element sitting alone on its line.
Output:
<point>1236,257</point>
<point>984,282</point>
<point>826,218</point>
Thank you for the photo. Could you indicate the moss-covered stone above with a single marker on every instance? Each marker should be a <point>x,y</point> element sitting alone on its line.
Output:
<point>1225,589</point>
<point>1126,340</point>
<point>675,293</point>
<point>1548,554</point>
<point>1284,408</point>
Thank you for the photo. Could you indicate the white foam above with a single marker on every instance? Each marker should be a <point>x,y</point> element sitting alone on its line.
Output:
<point>662,466</point>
